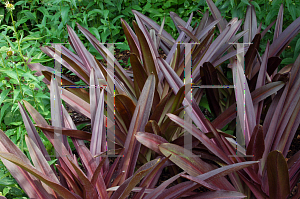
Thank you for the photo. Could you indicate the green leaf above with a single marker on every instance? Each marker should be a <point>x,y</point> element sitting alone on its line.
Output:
<point>109,3</point>
<point>95,32</point>
<point>287,61</point>
<point>42,60</point>
<point>74,3</point>
<point>30,15</point>
<point>9,72</point>
<point>16,94</point>
<point>136,7</point>
<point>7,182</point>
<point>19,3</point>
<point>297,47</point>
<point>64,14</point>
<point>3,109</point>
<point>255,5</point>
<point>204,103</point>
<point>246,2</point>
<point>52,161</point>
<point>21,21</point>
<point>31,37</point>
<point>3,95</point>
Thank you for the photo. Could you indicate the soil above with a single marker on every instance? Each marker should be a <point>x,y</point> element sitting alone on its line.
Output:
<point>124,56</point>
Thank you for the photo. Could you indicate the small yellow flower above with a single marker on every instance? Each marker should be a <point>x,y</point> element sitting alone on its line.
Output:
<point>10,7</point>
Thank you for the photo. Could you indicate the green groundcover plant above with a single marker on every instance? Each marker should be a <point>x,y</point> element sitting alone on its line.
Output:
<point>149,110</point>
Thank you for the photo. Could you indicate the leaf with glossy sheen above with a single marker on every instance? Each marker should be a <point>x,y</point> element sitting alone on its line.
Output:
<point>71,182</point>
<point>83,135</point>
<point>179,22</point>
<point>139,73</point>
<point>69,60</point>
<point>124,190</point>
<point>279,21</point>
<point>125,106</point>
<point>41,163</point>
<point>187,32</point>
<point>250,24</point>
<point>216,14</point>
<point>157,113</point>
<point>185,159</point>
<point>131,38</point>
<point>98,130</point>
<point>151,179</point>
<point>214,47</point>
<point>157,191</point>
<point>285,38</point>
<point>220,172</point>
<point>32,133</point>
<point>152,24</point>
<point>83,94</point>
<point>278,176</point>
<point>153,127</point>
<point>242,93</point>
<point>76,103</point>
<point>32,187</point>
<point>202,137</point>
<point>149,63</point>
<point>63,152</point>
<point>89,189</point>
<point>150,140</point>
<point>138,123</point>
<point>256,145</point>
<point>44,178</point>
<point>251,54</point>
<point>259,94</point>
<point>219,194</point>
<point>106,54</point>
<point>97,172</point>
<point>82,52</point>
<point>94,95</point>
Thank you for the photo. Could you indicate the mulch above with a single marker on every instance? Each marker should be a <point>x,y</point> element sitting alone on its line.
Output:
<point>124,56</point>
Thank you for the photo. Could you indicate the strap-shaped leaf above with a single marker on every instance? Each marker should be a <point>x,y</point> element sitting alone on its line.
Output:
<point>83,135</point>
<point>278,176</point>
<point>279,21</point>
<point>152,24</point>
<point>32,187</point>
<point>250,24</point>
<point>126,187</point>
<point>138,123</point>
<point>242,94</point>
<point>185,159</point>
<point>41,163</point>
<point>132,39</point>
<point>150,140</point>
<point>44,178</point>
<point>82,52</point>
<point>216,14</point>
<point>125,106</point>
<point>219,194</point>
<point>256,145</point>
<point>201,136</point>
<point>259,94</point>
<point>157,191</point>
<point>285,38</point>
<point>33,134</point>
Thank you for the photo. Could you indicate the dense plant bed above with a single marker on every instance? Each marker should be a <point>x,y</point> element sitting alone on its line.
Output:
<point>152,109</point>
